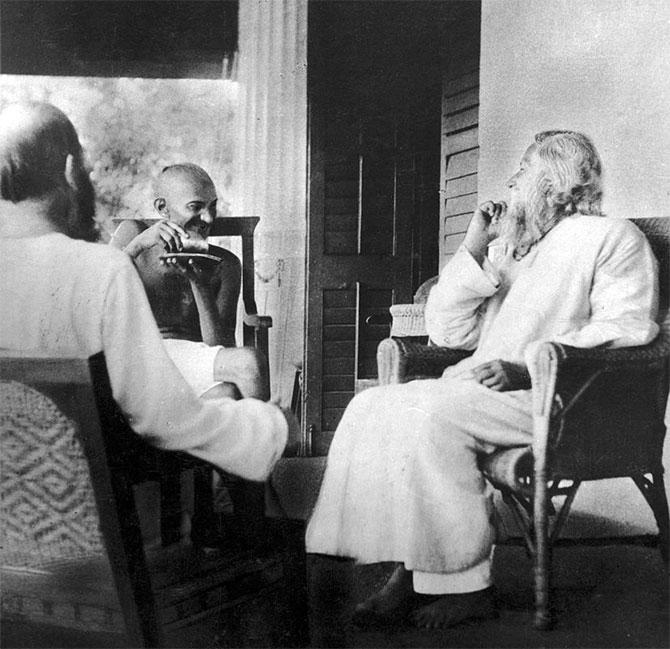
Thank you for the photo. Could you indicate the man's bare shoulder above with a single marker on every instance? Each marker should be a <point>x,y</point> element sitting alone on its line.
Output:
<point>126,231</point>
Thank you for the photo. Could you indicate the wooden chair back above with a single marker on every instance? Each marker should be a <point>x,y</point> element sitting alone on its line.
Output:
<point>255,326</point>
<point>66,520</point>
<point>241,226</point>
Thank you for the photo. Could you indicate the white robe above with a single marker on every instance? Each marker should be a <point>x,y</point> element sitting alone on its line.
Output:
<point>401,481</point>
<point>76,298</point>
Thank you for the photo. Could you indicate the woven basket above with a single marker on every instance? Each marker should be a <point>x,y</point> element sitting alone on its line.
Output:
<point>408,320</point>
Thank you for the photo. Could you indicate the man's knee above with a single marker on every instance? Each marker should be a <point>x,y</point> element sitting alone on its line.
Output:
<point>246,367</point>
<point>222,391</point>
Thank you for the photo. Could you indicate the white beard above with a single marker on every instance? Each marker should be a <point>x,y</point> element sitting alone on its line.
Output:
<point>527,220</point>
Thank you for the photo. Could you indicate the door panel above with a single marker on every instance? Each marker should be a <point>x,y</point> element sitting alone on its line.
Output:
<point>361,266</point>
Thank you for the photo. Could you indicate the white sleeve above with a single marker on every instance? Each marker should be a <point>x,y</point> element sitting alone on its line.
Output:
<point>244,437</point>
<point>624,295</point>
<point>453,310</point>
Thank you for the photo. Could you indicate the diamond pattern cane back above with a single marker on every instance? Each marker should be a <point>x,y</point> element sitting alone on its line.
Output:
<point>48,509</point>
<point>70,556</point>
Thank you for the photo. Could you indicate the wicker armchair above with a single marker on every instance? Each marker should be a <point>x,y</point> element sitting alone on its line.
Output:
<point>619,396</point>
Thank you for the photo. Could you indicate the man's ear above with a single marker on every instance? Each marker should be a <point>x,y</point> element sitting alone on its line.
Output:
<point>70,173</point>
<point>159,206</point>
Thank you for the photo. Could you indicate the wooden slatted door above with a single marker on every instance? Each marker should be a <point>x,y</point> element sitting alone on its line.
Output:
<point>360,258</point>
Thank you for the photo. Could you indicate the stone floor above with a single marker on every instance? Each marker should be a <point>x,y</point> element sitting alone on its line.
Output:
<point>611,596</point>
<point>605,597</point>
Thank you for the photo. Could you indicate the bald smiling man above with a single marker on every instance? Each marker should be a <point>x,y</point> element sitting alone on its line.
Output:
<point>194,303</point>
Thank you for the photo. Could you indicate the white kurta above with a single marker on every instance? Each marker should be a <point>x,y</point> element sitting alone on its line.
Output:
<point>401,481</point>
<point>76,298</point>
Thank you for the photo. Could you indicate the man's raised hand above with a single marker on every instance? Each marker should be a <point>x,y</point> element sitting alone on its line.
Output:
<point>169,234</point>
<point>483,228</point>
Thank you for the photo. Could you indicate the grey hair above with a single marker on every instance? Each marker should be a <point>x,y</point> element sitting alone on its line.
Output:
<point>572,171</point>
<point>35,140</point>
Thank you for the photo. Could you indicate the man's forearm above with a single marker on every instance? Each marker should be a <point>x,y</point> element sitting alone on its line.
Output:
<point>477,253</point>
<point>211,327</point>
<point>476,243</point>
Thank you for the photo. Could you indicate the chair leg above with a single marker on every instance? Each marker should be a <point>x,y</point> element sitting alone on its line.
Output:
<point>662,516</point>
<point>542,565</point>
<point>542,569</point>
<point>204,525</point>
<point>654,493</point>
<point>171,511</point>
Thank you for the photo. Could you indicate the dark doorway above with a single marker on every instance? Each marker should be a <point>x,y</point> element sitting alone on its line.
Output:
<point>374,90</point>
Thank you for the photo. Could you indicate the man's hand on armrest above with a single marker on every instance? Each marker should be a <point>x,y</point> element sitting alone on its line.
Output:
<point>502,376</point>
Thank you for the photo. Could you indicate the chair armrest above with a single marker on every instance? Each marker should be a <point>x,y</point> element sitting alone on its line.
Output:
<point>577,366</point>
<point>258,321</point>
<point>649,357</point>
<point>404,359</point>
<point>618,395</point>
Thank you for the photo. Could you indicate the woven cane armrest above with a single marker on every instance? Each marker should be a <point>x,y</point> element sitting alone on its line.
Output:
<point>408,320</point>
<point>407,358</point>
<point>618,395</point>
<point>646,357</point>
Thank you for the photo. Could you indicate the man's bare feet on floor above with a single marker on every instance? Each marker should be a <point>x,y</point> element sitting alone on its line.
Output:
<point>397,602</point>
<point>450,610</point>
<point>390,604</point>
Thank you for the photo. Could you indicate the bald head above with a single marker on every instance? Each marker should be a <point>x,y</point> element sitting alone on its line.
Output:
<point>183,174</point>
<point>41,160</point>
<point>185,194</point>
<point>35,141</point>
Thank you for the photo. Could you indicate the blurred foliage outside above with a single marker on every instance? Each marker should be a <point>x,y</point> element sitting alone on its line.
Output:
<point>131,128</point>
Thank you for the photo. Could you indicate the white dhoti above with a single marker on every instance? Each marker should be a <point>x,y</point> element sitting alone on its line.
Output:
<point>402,482</point>
<point>195,361</point>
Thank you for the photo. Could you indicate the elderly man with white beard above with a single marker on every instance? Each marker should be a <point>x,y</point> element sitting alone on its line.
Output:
<point>401,481</point>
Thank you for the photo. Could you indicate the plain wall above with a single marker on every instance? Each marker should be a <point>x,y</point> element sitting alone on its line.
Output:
<point>597,66</point>
<point>601,67</point>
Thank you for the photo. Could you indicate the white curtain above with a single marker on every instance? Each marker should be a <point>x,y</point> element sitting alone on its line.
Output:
<point>270,171</point>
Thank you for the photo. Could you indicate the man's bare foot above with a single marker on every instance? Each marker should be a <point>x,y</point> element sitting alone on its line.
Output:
<point>452,609</point>
<point>390,604</point>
